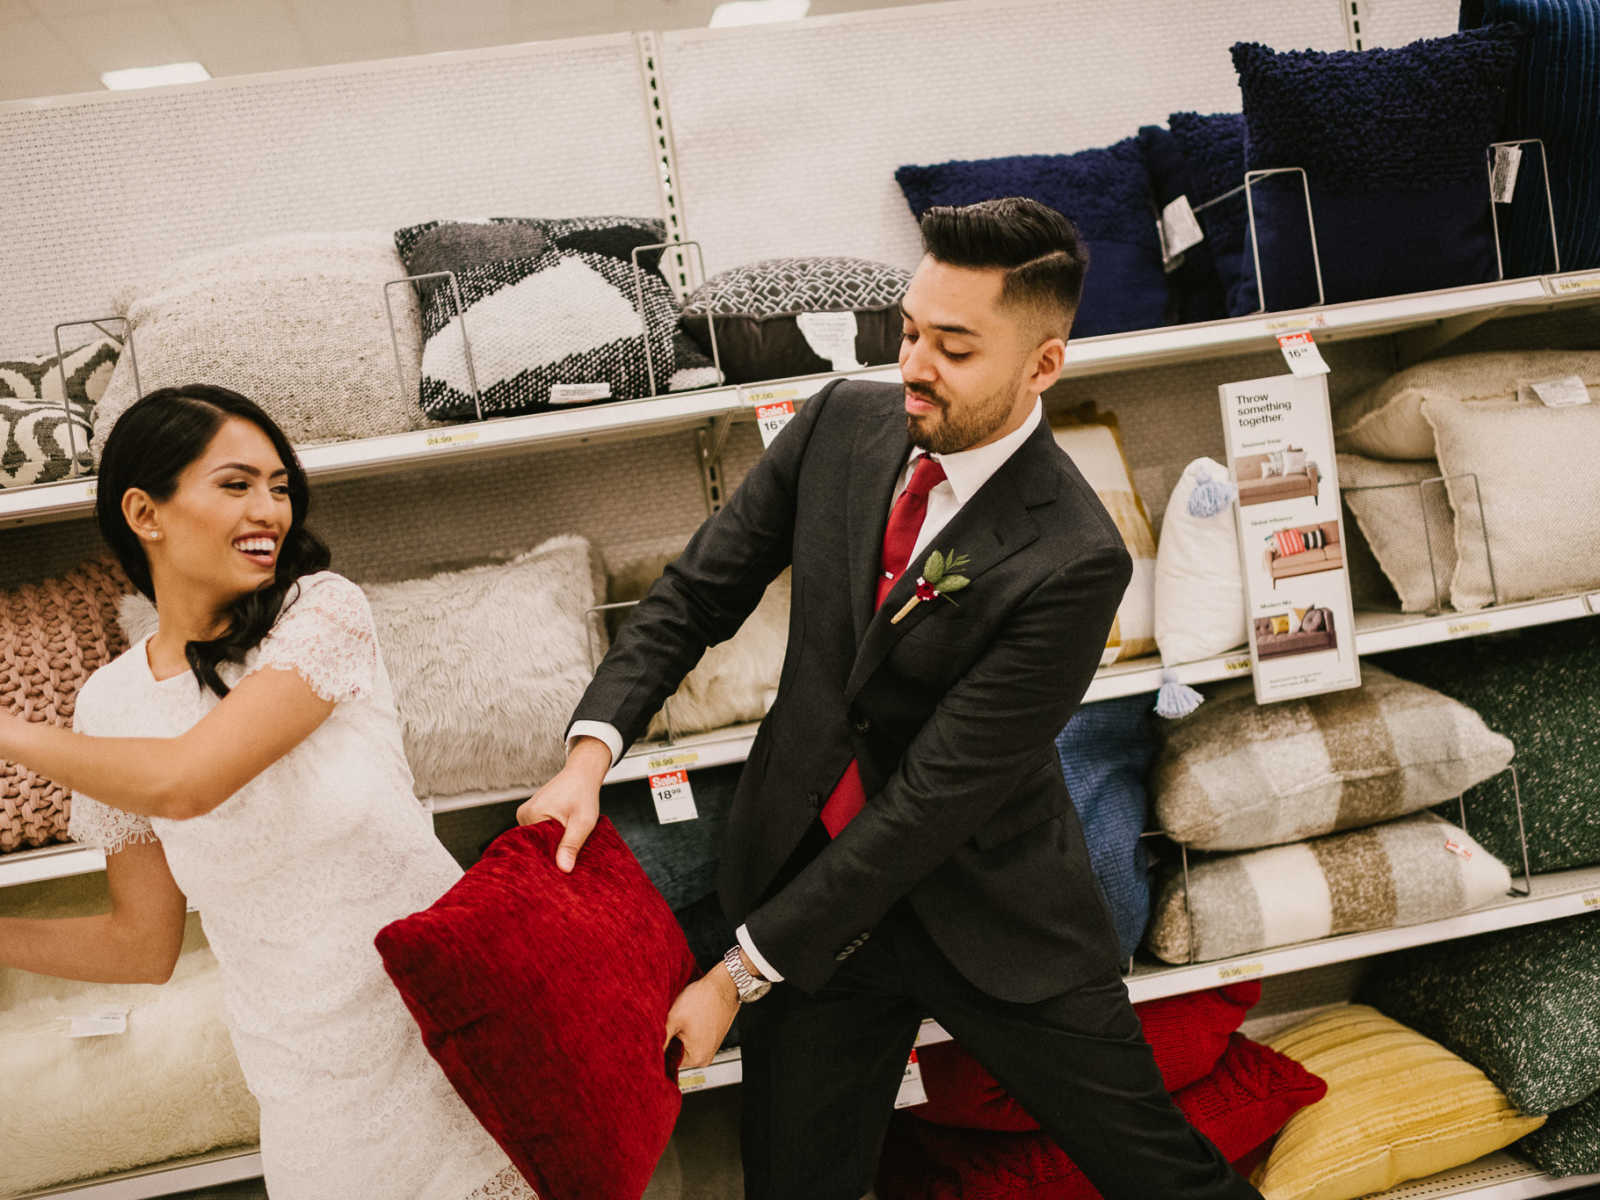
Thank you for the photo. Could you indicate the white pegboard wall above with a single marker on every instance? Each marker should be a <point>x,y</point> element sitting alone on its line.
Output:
<point>102,188</point>
<point>1397,22</point>
<point>788,135</point>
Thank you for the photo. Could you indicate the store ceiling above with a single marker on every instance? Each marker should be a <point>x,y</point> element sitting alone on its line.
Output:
<point>56,47</point>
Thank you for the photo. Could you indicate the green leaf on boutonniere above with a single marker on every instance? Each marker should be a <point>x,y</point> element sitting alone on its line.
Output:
<point>933,569</point>
<point>953,583</point>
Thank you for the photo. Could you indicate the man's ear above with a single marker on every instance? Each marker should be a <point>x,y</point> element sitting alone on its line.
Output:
<point>1049,359</point>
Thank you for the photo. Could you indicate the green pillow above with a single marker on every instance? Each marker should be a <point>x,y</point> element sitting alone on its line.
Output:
<point>1541,688</point>
<point>1569,1142</point>
<point>1519,1004</point>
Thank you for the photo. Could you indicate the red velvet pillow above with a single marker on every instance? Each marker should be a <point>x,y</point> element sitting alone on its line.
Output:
<point>1240,1106</point>
<point>544,997</point>
<point>1187,1033</point>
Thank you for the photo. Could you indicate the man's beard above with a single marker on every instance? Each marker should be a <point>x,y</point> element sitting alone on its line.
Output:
<point>949,433</point>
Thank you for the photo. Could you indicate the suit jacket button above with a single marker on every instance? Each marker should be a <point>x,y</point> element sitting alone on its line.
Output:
<point>814,799</point>
<point>862,725</point>
<point>842,955</point>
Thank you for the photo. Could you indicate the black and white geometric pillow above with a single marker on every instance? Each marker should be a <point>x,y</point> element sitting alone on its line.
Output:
<point>553,315</point>
<point>799,316</point>
<point>44,434</point>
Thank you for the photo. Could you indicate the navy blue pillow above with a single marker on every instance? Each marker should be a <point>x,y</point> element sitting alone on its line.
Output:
<point>680,858</point>
<point>1105,193</point>
<point>1202,157</point>
<point>1105,752</point>
<point>1393,142</point>
<point>1554,95</point>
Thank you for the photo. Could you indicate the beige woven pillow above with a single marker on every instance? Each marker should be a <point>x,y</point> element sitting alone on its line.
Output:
<point>1410,529</point>
<point>1538,477</point>
<point>733,682</point>
<point>53,636</point>
<point>1401,872</point>
<point>1239,774</point>
<point>1386,421</point>
<point>295,323</point>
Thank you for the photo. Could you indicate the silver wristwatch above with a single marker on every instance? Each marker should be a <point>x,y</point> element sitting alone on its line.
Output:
<point>750,988</point>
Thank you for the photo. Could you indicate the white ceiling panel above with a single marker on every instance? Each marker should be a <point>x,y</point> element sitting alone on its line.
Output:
<point>123,37</point>
<point>39,63</point>
<point>231,38</point>
<point>355,28</point>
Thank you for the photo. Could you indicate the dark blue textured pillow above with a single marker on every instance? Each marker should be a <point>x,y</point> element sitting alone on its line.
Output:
<point>1105,752</point>
<point>1202,157</point>
<point>680,858</point>
<point>1555,95</point>
<point>1393,142</point>
<point>1106,194</point>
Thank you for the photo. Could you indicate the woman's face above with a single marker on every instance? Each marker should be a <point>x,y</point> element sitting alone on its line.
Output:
<point>223,526</point>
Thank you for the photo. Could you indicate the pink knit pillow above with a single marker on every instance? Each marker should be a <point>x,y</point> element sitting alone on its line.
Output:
<point>53,636</point>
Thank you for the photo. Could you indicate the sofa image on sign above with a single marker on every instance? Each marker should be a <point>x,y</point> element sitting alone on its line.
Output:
<point>1299,631</point>
<point>1304,550</point>
<point>1282,475</point>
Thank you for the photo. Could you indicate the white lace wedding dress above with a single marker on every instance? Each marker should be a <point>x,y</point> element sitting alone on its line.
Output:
<point>293,876</point>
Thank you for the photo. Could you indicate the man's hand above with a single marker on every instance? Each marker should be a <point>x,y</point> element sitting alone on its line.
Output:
<point>572,798</point>
<point>701,1015</point>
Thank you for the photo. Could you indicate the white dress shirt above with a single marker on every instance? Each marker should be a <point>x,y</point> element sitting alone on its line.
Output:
<point>964,473</point>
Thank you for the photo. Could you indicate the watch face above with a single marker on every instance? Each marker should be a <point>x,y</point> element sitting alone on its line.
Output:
<point>760,989</point>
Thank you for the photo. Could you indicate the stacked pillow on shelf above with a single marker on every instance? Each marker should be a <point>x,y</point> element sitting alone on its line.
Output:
<point>45,427</point>
<point>972,1139</point>
<point>555,312</point>
<point>1520,1005</point>
<point>1393,144</point>
<point>1509,460</point>
<point>1317,806</point>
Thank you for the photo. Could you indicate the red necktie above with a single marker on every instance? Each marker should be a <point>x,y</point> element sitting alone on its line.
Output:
<point>899,539</point>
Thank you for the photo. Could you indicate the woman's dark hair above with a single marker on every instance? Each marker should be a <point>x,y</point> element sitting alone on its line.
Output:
<point>148,448</point>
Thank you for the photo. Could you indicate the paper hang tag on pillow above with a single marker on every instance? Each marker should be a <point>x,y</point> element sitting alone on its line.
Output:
<point>105,1022</point>
<point>579,393</point>
<point>831,335</point>
<point>1566,391</point>
<point>1178,229</point>
<point>911,1093</point>
<point>674,797</point>
<point>1503,175</point>
<point>771,418</point>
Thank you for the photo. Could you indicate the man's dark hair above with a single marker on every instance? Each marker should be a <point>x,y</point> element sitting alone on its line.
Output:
<point>1039,249</point>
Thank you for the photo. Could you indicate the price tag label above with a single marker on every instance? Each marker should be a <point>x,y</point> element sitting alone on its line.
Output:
<point>1503,175</point>
<point>466,437</point>
<point>911,1093</point>
<point>1241,971</point>
<point>1459,849</point>
<point>1301,353</point>
<point>1179,229</point>
<point>673,796</point>
<point>1591,900</point>
<point>1470,628</point>
<point>831,336</point>
<point>771,418</point>
<point>579,393</point>
<point>106,1022</point>
<point>1565,392</point>
<point>1298,322</point>
<point>1572,284</point>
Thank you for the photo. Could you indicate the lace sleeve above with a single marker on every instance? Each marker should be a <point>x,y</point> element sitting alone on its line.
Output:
<point>325,635</point>
<point>92,823</point>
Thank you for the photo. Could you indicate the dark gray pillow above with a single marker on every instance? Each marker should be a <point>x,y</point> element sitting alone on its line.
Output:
<point>766,316</point>
<point>1569,1142</point>
<point>1520,1005</point>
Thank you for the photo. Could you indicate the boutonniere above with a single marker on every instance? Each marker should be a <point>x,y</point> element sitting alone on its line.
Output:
<point>938,578</point>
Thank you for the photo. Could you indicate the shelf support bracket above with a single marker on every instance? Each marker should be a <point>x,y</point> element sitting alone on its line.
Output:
<point>709,442</point>
<point>1414,345</point>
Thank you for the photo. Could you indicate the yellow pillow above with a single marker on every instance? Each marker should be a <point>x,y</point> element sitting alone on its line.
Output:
<point>1094,443</point>
<point>1280,623</point>
<point>1399,1106</point>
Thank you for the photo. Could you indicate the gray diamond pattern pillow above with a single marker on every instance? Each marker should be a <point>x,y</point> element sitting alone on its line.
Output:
<point>799,316</point>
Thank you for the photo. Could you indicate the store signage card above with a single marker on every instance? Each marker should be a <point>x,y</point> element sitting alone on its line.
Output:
<point>1291,536</point>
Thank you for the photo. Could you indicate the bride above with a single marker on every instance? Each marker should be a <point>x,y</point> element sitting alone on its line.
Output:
<point>247,756</point>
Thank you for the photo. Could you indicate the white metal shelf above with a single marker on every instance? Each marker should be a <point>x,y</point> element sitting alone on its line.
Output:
<point>163,1179</point>
<point>631,419</point>
<point>1555,895</point>
<point>1499,1176</point>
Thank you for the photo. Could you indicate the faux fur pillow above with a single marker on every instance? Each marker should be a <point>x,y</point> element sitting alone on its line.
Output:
<point>168,1087</point>
<point>53,636</point>
<point>487,663</point>
<point>734,682</point>
<point>295,323</point>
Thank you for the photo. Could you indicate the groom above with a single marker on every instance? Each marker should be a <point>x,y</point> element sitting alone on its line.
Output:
<point>902,844</point>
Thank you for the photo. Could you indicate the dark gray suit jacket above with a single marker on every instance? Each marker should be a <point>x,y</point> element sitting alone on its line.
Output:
<point>951,713</point>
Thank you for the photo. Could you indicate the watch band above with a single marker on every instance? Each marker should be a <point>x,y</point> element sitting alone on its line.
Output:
<point>750,988</point>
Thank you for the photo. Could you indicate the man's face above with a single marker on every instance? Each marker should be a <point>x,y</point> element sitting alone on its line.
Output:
<point>964,356</point>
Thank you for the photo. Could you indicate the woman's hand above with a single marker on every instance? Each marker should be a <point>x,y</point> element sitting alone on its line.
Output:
<point>572,798</point>
<point>701,1015</point>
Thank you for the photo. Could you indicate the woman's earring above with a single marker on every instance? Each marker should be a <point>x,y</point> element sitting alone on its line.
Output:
<point>155,534</point>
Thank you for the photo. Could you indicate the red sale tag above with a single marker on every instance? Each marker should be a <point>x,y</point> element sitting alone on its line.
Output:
<point>1457,848</point>
<point>911,1091</point>
<point>1301,353</point>
<point>673,796</point>
<point>771,418</point>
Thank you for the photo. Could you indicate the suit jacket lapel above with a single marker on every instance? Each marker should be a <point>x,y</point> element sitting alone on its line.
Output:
<point>989,529</point>
<point>875,467</point>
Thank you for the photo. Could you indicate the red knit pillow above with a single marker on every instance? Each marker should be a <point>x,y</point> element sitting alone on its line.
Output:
<point>1187,1034</point>
<point>1239,1106</point>
<point>544,997</point>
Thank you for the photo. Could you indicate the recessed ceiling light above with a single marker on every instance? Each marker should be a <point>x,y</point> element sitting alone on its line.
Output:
<point>142,77</point>
<point>758,12</point>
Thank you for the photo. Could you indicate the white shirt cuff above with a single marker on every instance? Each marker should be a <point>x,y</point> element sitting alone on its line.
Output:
<point>765,968</point>
<point>597,729</point>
